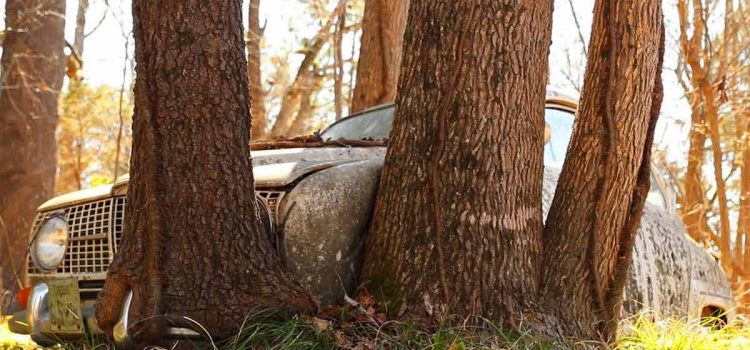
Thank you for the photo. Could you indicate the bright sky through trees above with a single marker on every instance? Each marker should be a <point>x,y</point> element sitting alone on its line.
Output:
<point>287,23</point>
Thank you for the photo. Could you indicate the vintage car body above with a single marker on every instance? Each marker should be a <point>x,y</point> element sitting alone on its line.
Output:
<point>321,200</point>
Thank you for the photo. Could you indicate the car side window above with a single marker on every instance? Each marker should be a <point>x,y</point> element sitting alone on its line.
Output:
<point>558,128</point>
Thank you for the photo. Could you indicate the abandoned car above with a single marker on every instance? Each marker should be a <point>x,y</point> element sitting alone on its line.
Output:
<point>321,198</point>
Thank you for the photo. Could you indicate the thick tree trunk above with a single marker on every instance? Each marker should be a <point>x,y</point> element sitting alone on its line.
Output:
<point>380,53</point>
<point>257,94</point>
<point>592,222</point>
<point>457,224</point>
<point>33,64</point>
<point>193,244</point>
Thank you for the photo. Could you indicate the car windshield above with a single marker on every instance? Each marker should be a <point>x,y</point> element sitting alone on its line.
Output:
<point>372,124</point>
<point>376,123</point>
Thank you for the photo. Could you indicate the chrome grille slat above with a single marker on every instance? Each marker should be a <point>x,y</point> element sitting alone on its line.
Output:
<point>118,219</point>
<point>272,200</point>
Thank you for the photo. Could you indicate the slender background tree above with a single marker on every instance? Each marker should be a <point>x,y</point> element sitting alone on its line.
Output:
<point>380,53</point>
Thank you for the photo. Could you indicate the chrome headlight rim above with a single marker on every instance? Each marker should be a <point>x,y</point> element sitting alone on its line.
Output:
<point>48,233</point>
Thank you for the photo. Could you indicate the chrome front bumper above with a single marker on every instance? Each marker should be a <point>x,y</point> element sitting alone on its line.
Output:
<point>35,319</point>
<point>120,330</point>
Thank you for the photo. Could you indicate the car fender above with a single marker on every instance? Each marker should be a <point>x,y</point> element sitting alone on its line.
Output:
<point>323,220</point>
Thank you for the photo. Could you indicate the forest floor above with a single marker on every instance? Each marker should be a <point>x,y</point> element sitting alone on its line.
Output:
<point>314,333</point>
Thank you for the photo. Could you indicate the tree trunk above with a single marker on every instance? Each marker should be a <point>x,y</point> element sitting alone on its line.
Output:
<point>706,105</point>
<point>257,94</point>
<point>33,64</point>
<point>592,222</point>
<point>291,98</point>
<point>380,53</point>
<point>307,107</point>
<point>338,65</point>
<point>193,245</point>
<point>80,34</point>
<point>455,202</point>
<point>743,222</point>
<point>694,208</point>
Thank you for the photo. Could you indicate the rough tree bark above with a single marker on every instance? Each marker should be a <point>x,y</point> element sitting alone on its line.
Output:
<point>33,65</point>
<point>191,206</point>
<point>592,222</point>
<point>469,115</point>
<point>257,94</point>
<point>380,53</point>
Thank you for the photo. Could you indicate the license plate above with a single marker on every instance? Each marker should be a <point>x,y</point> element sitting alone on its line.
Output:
<point>64,306</point>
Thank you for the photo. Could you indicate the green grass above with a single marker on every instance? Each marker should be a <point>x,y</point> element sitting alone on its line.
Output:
<point>642,333</point>
<point>264,331</point>
<point>359,333</point>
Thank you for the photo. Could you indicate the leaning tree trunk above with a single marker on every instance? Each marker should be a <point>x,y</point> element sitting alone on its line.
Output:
<point>33,64</point>
<point>458,220</point>
<point>592,223</point>
<point>380,53</point>
<point>257,95</point>
<point>193,243</point>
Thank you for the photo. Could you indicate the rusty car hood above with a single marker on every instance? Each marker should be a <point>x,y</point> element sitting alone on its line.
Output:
<point>271,168</point>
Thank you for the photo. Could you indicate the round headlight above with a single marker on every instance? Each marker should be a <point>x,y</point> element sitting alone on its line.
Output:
<point>50,242</point>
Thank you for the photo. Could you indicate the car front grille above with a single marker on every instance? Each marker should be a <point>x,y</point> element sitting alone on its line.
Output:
<point>88,250</point>
<point>92,226</point>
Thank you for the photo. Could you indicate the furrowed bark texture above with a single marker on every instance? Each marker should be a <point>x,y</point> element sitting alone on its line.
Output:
<point>257,94</point>
<point>33,65</point>
<point>380,53</point>
<point>193,244</point>
<point>591,226</point>
<point>458,220</point>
